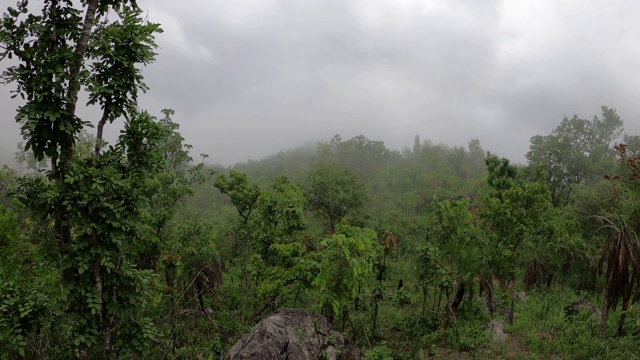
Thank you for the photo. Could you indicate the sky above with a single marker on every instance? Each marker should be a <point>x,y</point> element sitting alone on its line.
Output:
<point>248,78</point>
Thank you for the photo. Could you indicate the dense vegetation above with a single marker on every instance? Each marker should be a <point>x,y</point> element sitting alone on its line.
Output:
<point>132,250</point>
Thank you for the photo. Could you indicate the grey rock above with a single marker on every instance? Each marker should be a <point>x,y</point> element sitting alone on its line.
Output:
<point>496,329</point>
<point>292,334</point>
<point>579,306</point>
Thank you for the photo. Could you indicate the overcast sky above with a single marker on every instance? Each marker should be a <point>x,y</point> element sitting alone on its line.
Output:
<point>248,78</point>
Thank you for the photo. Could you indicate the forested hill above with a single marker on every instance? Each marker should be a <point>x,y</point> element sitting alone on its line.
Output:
<point>459,227</point>
<point>430,242</point>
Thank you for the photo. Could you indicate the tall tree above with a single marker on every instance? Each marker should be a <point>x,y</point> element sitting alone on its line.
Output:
<point>93,201</point>
<point>511,213</point>
<point>577,151</point>
<point>417,146</point>
<point>281,262</point>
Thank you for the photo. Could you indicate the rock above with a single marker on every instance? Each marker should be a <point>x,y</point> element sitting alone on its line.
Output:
<point>579,306</point>
<point>496,329</point>
<point>522,297</point>
<point>292,334</point>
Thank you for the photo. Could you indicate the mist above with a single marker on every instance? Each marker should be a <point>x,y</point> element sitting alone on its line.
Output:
<point>249,78</point>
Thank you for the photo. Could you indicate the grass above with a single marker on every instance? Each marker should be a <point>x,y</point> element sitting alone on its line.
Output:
<point>541,330</point>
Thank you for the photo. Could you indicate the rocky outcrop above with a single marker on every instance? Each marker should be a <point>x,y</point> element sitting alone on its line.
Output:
<point>292,334</point>
<point>496,329</point>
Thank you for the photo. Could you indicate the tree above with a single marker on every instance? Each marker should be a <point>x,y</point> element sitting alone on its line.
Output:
<point>333,192</point>
<point>347,259</point>
<point>450,258</point>
<point>577,151</point>
<point>281,217</point>
<point>620,254</point>
<point>632,146</point>
<point>362,155</point>
<point>476,157</point>
<point>621,250</point>
<point>243,195</point>
<point>417,146</point>
<point>454,230</point>
<point>556,243</point>
<point>511,213</point>
<point>281,260</point>
<point>168,189</point>
<point>95,201</point>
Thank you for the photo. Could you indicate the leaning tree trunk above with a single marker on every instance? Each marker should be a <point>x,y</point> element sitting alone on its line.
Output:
<point>623,313</point>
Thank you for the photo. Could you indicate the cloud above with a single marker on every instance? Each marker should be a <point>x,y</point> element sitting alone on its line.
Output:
<point>175,38</point>
<point>251,77</point>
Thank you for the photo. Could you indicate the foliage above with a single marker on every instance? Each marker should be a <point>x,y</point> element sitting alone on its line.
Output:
<point>334,192</point>
<point>577,151</point>
<point>364,156</point>
<point>104,207</point>
<point>281,261</point>
<point>281,216</point>
<point>243,195</point>
<point>381,352</point>
<point>22,311</point>
<point>621,250</point>
<point>347,259</point>
<point>95,199</point>
<point>127,250</point>
<point>511,214</point>
<point>167,190</point>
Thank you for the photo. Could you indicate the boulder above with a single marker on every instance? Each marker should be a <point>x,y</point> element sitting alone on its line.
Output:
<point>579,306</point>
<point>496,329</point>
<point>292,334</point>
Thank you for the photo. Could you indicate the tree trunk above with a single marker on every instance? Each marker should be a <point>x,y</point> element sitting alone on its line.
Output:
<point>484,285</point>
<point>437,308</point>
<point>605,311</point>
<point>100,312</point>
<point>513,299</point>
<point>424,298</point>
<point>458,298</point>
<point>623,315</point>
<point>565,271</point>
<point>375,317</point>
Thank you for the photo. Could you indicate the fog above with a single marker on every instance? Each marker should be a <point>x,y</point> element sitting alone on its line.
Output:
<point>248,78</point>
